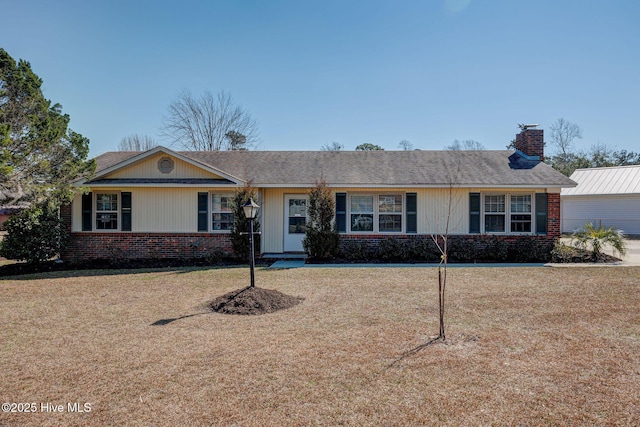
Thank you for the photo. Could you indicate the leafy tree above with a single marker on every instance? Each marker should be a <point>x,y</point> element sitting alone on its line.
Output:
<point>590,237</point>
<point>569,162</point>
<point>467,144</point>
<point>239,233</point>
<point>39,155</point>
<point>599,155</point>
<point>209,123</point>
<point>367,146</point>
<point>137,142</point>
<point>625,158</point>
<point>237,141</point>
<point>34,234</point>
<point>321,240</point>
<point>334,146</point>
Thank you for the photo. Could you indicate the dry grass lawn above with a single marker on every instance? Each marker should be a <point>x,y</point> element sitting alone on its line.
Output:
<point>527,346</point>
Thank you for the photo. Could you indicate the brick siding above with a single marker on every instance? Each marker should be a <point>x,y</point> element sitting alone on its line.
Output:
<point>92,245</point>
<point>553,215</point>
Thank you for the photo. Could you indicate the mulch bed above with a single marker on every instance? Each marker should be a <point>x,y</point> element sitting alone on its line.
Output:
<point>253,300</point>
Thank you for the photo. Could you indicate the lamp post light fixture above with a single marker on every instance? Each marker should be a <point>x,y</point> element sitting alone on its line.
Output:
<point>250,212</point>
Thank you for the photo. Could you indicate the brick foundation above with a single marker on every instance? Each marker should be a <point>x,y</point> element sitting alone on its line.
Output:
<point>113,246</point>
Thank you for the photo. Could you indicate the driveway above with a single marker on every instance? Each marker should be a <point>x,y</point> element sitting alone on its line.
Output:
<point>633,252</point>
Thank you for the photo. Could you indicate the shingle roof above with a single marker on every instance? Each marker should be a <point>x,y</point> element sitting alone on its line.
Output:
<point>601,181</point>
<point>371,168</point>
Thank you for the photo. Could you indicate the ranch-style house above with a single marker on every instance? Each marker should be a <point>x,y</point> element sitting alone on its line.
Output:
<point>163,203</point>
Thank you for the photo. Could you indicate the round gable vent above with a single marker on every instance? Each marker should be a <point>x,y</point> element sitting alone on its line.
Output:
<point>165,165</point>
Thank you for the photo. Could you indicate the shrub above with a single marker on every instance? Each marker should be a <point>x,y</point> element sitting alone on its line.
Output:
<point>355,250</point>
<point>392,249</point>
<point>34,235</point>
<point>240,231</point>
<point>495,250</point>
<point>562,253</point>
<point>531,250</point>
<point>462,250</point>
<point>321,240</point>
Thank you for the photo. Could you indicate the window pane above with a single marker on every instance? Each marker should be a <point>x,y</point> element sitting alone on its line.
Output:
<point>521,203</point>
<point>222,221</point>
<point>521,223</point>
<point>390,203</point>
<point>494,223</point>
<point>362,204</point>
<point>362,222</point>
<point>494,203</point>
<point>297,225</point>
<point>221,202</point>
<point>390,223</point>
<point>106,202</point>
<point>107,221</point>
<point>297,208</point>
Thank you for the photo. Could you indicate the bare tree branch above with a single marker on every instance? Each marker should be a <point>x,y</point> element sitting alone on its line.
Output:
<point>137,142</point>
<point>467,144</point>
<point>563,133</point>
<point>205,123</point>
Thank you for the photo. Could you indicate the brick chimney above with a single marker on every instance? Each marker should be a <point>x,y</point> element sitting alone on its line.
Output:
<point>530,142</point>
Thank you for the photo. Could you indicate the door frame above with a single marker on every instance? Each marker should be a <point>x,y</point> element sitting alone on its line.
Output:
<point>292,242</point>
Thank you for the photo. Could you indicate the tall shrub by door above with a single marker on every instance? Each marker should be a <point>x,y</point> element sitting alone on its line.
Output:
<point>321,240</point>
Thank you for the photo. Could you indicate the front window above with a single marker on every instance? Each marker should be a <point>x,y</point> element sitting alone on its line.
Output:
<point>222,212</point>
<point>508,213</point>
<point>106,211</point>
<point>379,213</point>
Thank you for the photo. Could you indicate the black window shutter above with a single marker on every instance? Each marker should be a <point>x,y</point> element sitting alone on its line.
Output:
<point>203,211</point>
<point>541,213</point>
<point>341,212</point>
<point>87,203</point>
<point>126,211</point>
<point>412,213</point>
<point>474,213</point>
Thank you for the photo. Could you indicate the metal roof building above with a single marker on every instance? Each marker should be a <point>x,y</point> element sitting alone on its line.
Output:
<point>603,196</point>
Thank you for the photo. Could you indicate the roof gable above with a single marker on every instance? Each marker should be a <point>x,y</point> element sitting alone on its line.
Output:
<point>157,165</point>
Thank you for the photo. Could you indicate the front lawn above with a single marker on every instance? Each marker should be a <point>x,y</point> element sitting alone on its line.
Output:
<point>527,346</point>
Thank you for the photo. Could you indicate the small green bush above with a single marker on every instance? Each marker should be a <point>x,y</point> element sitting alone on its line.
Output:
<point>355,250</point>
<point>562,253</point>
<point>34,235</point>
<point>391,249</point>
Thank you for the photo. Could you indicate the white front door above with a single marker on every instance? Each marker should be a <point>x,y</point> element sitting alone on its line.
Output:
<point>295,221</point>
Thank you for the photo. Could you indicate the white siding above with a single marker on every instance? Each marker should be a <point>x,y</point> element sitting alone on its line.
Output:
<point>164,210</point>
<point>272,217</point>
<point>617,211</point>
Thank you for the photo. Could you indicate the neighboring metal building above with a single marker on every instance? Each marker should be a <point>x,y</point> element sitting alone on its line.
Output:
<point>604,196</point>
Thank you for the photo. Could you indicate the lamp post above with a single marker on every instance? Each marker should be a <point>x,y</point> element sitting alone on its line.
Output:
<point>250,212</point>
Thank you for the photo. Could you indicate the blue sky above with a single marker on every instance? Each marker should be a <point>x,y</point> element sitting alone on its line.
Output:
<point>315,72</point>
